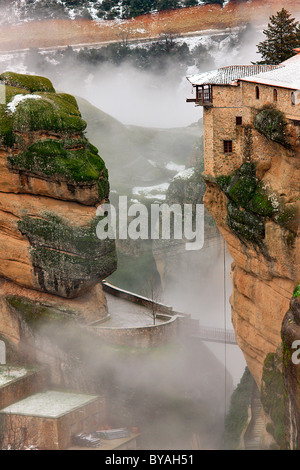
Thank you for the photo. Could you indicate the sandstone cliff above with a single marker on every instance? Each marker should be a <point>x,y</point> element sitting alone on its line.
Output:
<point>51,179</point>
<point>256,208</point>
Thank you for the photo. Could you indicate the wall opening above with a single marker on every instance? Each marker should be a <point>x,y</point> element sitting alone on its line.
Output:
<point>227,144</point>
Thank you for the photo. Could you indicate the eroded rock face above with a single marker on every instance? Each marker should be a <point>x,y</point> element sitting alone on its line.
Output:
<point>257,212</point>
<point>290,340</point>
<point>51,180</point>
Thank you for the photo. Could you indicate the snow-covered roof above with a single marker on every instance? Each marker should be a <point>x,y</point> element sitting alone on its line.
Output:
<point>8,374</point>
<point>287,75</point>
<point>228,75</point>
<point>49,404</point>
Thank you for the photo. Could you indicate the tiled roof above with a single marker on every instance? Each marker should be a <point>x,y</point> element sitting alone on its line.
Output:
<point>228,75</point>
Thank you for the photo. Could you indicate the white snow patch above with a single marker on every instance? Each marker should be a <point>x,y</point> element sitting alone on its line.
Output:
<point>152,192</point>
<point>8,374</point>
<point>12,105</point>
<point>174,167</point>
<point>185,174</point>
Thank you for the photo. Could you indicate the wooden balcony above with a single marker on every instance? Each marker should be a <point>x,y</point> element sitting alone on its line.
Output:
<point>203,96</point>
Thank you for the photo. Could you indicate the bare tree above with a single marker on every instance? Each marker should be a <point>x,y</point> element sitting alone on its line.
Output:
<point>14,433</point>
<point>124,34</point>
<point>152,294</point>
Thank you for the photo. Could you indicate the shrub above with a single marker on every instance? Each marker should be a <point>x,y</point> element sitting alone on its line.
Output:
<point>272,124</point>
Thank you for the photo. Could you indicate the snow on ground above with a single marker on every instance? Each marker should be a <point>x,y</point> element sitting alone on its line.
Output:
<point>12,105</point>
<point>174,167</point>
<point>8,374</point>
<point>152,192</point>
<point>185,174</point>
<point>49,404</point>
<point>159,191</point>
<point>13,61</point>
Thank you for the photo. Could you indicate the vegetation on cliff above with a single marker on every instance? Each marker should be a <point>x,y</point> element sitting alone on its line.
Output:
<point>42,137</point>
<point>104,9</point>
<point>33,106</point>
<point>65,257</point>
<point>250,203</point>
<point>36,314</point>
<point>290,334</point>
<point>51,158</point>
<point>273,397</point>
<point>272,124</point>
<point>31,83</point>
<point>237,416</point>
<point>296,292</point>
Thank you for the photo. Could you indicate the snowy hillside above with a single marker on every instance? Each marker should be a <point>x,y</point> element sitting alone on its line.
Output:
<point>26,10</point>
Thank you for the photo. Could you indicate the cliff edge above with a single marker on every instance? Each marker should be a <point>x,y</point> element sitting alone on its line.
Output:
<point>51,179</point>
<point>252,174</point>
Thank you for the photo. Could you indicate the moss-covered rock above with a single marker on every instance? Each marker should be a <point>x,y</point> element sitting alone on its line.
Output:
<point>12,91</point>
<point>46,132</point>
<point>263,202</point>
<point>251,203</point>
<point>237,417</point>
<point>67,258</point>
<point>273,395</point>
<point>50,113</point>
<point>296,292</point>
<point>245,224</point>
<point>54,159</point>
<point>242,186</point>
<point>47,154</point>
<point>36,314</point>
<point>31,83</point>
<point>272,124</point>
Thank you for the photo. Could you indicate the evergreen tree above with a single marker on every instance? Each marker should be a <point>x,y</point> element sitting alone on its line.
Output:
<point>282,36</point>
<point>219,2</point>
<point>190,3</point>
<point>166,4</point>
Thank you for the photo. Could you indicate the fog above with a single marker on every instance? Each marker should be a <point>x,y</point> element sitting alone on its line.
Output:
<point>184,389</point>
<point>138,98</point>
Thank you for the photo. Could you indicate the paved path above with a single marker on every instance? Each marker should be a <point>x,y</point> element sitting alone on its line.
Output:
<point>126,314</point>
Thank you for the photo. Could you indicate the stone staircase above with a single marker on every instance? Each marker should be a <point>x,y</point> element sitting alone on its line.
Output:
<point>254,433</point>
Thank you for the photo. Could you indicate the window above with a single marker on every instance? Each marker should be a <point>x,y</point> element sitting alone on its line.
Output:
<point>275,95</point>
<point>239,120</point>
<point>257,92</point>
<point>227,146</point>
<point>293,98</point>
<point>204,94</point>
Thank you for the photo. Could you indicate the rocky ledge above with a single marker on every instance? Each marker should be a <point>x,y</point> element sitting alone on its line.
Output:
<point>51,180</point>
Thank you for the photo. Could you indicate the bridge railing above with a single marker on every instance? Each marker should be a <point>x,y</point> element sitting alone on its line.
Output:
<point>216,335</point>
<point>212,334</point>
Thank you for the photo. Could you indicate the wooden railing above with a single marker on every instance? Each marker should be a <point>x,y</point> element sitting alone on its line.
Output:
<point>204,96</point>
